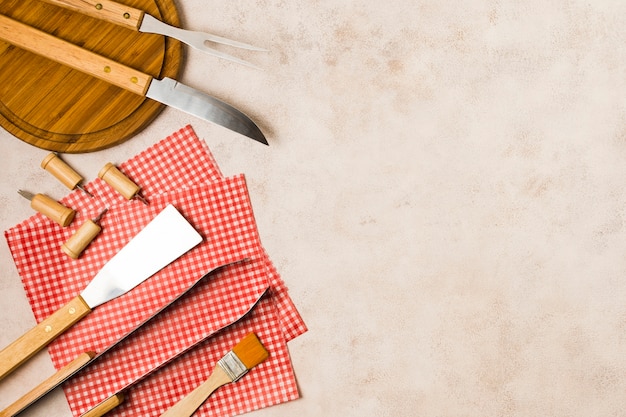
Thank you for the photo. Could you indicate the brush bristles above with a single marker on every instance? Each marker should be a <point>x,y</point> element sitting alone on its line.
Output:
<point>250,351</point>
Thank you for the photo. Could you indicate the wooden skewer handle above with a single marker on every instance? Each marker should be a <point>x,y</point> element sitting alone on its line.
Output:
<point>188,405</point>
<point>43,388</point>
<point>120,182</point>
<point>61,171</point>
<point>110,11</point>
<point>73,56</point>
<point>52,209</point>
<point>105,406</point>
<point>41,335</point>
<point>81,238</point>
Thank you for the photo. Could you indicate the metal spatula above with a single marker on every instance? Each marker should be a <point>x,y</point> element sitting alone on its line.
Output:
<point>163,240</point>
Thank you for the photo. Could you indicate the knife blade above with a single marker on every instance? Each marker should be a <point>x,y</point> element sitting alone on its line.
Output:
<point>167,237</point>
<point>85,359</point>
<point>166,91</point>
<point>138,20</point>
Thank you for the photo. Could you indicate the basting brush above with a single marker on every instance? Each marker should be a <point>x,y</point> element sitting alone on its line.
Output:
<point>247,354</point>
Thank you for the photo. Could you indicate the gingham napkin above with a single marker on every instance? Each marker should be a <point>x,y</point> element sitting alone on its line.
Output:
<point>198,327</point>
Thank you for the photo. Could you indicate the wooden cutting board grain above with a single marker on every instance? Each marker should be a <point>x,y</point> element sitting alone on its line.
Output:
<point>54,107</point>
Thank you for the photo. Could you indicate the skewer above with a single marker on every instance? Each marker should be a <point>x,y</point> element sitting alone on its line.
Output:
<point>63,172</point>
<point>83,236</point>
<point>50,208</point>
<point>121,183</point>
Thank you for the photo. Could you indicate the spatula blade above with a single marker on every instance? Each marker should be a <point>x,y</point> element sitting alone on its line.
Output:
<point>167,237</point>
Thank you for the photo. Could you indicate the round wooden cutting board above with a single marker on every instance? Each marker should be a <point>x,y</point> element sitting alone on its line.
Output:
<point>54,107</point>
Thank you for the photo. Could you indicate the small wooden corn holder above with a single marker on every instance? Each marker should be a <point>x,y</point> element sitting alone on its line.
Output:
<point>77,243</point>
<point>53,209</point>
<point>63,172</point>
<point>50,208</point>
<point>120,182</point>
<point>54,165</point>
<point>82,237</point>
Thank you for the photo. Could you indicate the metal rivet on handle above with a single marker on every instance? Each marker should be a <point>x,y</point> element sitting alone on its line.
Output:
<point>134,80</point>
<point>107,69</point>
<point>48,329</point>
<point>72,310</point>
<point>126,15</point>
<point>98,6</point>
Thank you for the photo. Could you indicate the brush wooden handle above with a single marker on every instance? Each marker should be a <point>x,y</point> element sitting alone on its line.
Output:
<point>110,11</point>
<point>43,388</point>
<point>73,56</point>
<point>188,405</point>
<point>105,406</point>
<point>41,335</point>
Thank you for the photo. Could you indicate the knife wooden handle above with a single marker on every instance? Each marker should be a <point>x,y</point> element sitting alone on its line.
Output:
<point>73,56</point>
<point>110,11</point>
<point>105,406</point>
<point>43,388</point>
<point>41,335</point>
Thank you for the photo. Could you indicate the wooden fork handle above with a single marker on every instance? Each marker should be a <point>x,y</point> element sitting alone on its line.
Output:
<point>41,335</point>
<point>66,53</point>
<point>108,10</point>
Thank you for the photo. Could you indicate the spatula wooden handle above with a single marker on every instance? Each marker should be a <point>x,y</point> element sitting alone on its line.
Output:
<point>41,389</point>
<point>104,9</point>
<point>188,405</point>
<point>73,56</point>
<point>41,335</point>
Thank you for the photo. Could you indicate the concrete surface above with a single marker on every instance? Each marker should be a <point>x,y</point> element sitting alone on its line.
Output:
<point>443,194</point>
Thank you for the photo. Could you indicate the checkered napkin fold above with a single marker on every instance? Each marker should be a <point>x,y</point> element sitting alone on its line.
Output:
<point>176,349</point>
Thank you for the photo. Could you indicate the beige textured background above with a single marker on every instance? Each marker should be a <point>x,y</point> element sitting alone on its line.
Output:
<point>443,194</point>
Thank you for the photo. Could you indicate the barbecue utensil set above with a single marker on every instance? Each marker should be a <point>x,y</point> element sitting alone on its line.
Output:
<point>169,235</point>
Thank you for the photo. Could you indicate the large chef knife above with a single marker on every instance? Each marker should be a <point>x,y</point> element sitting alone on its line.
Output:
<point>164,239</point>
<point>138,20</point>
<point>166,91</point>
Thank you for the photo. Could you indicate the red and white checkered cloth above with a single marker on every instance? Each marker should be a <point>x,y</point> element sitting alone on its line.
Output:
<point>196,330</point>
